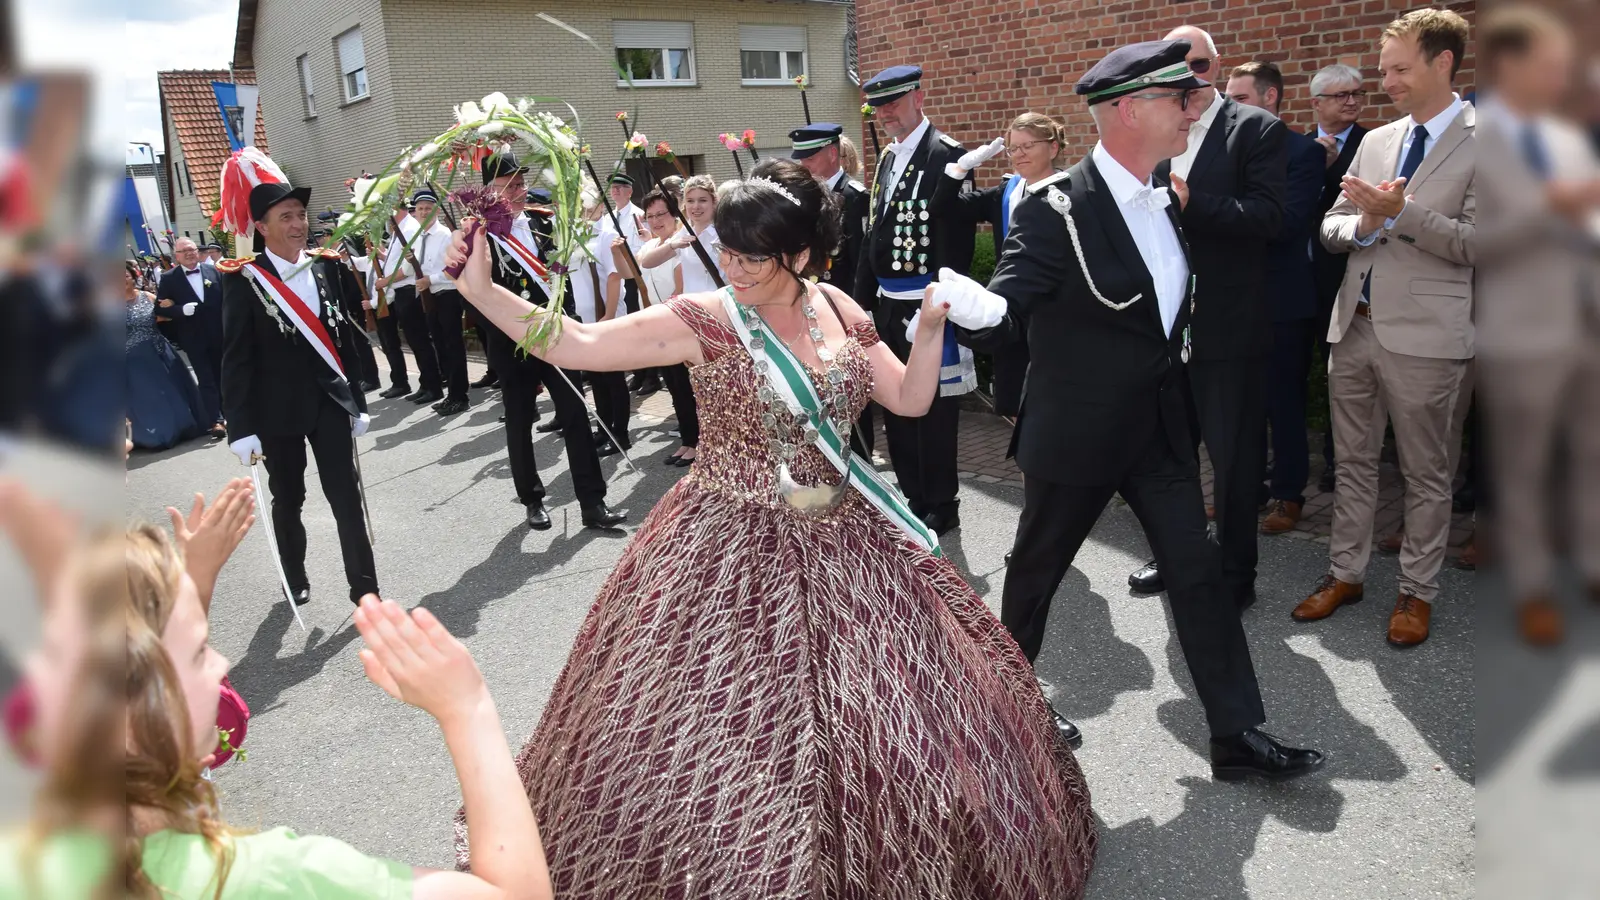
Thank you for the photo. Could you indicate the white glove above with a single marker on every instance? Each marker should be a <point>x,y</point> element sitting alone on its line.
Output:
<point>975,158</point>
<point>246,447</point>
<point>360,424</point>
<point>971,305</point>
<point>189,308</point>
<point>911,327</point>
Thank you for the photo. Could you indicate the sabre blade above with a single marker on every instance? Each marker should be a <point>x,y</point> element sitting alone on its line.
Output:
<point>272,543</point>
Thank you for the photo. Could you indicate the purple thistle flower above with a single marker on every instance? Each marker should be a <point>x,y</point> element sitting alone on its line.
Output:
<point>492,207</point>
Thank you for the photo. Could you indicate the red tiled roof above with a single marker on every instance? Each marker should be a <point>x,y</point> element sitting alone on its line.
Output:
<point>189,107</point>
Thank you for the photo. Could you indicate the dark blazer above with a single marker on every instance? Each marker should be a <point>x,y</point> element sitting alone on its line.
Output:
<point>853,204</point>
<point>1103,382</point>
<point>987,205</point>
<point>1235,208</point>
<point>1291,284</point>
<point>949,245</point>
<point>1328,268</point>
<point>273,381</point>
<point>203,330</point>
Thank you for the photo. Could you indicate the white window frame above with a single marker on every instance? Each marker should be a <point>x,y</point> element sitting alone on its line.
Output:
<point>308,91</point>
<point>346,70</point>
<point>779,39</point>
<point>665,44</point>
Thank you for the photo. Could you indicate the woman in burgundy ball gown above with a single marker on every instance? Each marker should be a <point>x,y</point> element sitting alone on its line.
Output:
<point>783,690</point>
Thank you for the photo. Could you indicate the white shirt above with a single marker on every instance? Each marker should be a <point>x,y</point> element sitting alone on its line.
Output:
<point>590,266</point>
<point>1436,127</point>
<point>395,262</point>
<point>1340,138</point>
<point>832,181</point>
<point>901,151</point>
<point>197,281</point>
<point>432,248</point>
<point>303,283</point>
<point>633,228</point>
<point>660,282</point>
<point>1197,135</point>
<point>1152,233</point>
<point>695,276</point>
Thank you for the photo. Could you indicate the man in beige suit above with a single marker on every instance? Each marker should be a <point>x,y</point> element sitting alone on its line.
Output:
<point>1538,288</point>
<point>1402,331</point>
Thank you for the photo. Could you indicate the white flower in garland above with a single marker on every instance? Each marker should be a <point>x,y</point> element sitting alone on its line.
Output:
<point>491,128</point>
<point>469,115</point>
<point>423,154</point>
<point>496,103</point>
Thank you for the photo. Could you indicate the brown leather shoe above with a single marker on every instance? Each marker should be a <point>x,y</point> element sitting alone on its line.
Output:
<point>1331,593</point>
<point>1539,621</point>
<point>1408,624</point>
<point>1284,516</point>
<point>1391,544</point>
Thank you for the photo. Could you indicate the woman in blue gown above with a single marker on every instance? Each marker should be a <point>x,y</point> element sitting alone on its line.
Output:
<point>163,400</point>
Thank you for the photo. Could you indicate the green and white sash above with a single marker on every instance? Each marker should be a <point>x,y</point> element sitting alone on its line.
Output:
<point>787,376</point>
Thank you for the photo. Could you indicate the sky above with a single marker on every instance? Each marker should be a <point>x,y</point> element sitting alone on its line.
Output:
<point>176,34</point>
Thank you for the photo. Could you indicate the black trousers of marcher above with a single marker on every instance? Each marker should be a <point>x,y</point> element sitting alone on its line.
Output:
<point>1164,493</point>
<point>333,448</point>
<point>683,403</point>
<point>445,325</point>
<point>389,340</point>
<point>612,402</point>
<point>1287,367</point>
<point>520,377</point>
<point>414,325</point>
<point>207,365</point>
<point>923,451</point>
<point>366,358</point>
<point>1230,397</point>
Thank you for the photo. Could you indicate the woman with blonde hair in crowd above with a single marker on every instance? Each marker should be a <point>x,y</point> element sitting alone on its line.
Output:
<point>126,651</point>
<point>699,205</point>
<point>1035,143</point>
<point>849,158</point>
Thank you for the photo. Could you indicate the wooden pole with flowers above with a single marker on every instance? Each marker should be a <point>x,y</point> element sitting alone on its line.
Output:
<point>802,82</point>
<point>736,142</point>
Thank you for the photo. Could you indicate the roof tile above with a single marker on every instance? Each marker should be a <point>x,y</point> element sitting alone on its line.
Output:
<point>187,98</point>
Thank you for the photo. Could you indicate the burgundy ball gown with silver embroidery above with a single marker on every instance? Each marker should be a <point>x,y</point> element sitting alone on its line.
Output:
<point>766,705</point>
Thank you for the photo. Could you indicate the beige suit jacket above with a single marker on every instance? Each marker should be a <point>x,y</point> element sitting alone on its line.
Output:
<point>1421,269</point>
<point>1536,269</point>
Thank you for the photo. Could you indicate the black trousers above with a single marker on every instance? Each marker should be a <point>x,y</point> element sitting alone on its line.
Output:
<point>1287,368</point>
<point>520,377</point>
<point>1230,397</point>
<point>612,402</point>
<point>207,365</point>
<point>414,325</point>
<point>445,325</point>
<point>332,447</point>
<point>1165,494</point>
<point>366,358</point>
<point>683,403</point>
<point>923,451</point>
<point>389,341</point>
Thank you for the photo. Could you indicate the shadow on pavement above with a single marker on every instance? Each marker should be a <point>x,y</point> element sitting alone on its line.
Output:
<point>262,674</point>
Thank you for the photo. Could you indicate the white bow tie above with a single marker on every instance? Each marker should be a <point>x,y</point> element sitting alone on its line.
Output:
<point>1152,199</point>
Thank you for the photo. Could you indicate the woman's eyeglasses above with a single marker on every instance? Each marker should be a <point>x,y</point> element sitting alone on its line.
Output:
<point>1014,149</point>
<point>749,262</point>
<point>1345,96</point>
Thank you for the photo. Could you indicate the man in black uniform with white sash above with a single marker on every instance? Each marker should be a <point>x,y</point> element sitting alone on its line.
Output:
<point>1096,264</point>
<point>903,247</point>
<point>289,372</point>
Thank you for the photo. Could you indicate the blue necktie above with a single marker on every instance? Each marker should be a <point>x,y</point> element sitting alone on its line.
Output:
<point>1534,153</point>
<point>1419,146</point>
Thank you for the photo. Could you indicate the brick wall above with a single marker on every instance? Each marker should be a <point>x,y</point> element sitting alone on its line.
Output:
<point>987,61</point>
<point>422,58</point>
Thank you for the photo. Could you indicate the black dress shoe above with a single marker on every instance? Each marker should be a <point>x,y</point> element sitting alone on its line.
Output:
<point>1065,729</point>
<point>648,388</point>
<point>1147,580</point>
<point>1254,752</point>
<point>488,380</point>
<point>633,383</point>
<point>301,596</point>
<point>1327,481</point>
<point>606,448</point>
<point>548,427</point>
<point>396,390</point>
<point>941,522</point>
<point>1008,557</point>
<point>502,419</point>
<point>683,462</point>
<point>368,387</point>
<point>425,396</point>
<point>450,407</point>
<point>602,517</point>
<point>1245,599</point>
<point>538,519</point>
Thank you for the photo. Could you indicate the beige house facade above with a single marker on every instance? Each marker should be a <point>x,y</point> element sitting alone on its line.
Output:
<point>346,84</point>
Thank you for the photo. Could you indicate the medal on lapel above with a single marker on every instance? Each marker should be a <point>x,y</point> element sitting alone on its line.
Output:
<point>1184,353</point>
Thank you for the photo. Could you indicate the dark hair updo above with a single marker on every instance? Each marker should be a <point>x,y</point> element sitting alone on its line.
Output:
<point>755,218</point>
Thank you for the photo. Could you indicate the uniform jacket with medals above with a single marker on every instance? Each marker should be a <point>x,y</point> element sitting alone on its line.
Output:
<point>509,274</point>
<point>904,238</point>
<point>854,207</point>
<point>273,381</point>
<point>1103,382</point>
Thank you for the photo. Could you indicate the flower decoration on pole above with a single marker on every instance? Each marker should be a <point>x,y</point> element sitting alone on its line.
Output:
<point>664,152</point>
<point>749,138</point>
<point>636,143</point>
<point>802,82</point>
<point>542,141</point>
<point>733,143</point>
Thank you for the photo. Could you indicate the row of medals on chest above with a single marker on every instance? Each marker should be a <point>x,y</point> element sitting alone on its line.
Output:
<point>910,231</point>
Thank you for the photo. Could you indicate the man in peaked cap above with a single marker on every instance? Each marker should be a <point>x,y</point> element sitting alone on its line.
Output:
<point>816,147</point>
<point>288,344</point>
<point>1096,263</point>
<point>903,245</point>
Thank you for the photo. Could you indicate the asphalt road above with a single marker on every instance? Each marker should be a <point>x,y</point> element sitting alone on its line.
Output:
<point>1392,816</point>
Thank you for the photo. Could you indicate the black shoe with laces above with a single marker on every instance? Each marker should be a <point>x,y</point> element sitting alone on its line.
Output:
<point>1253,752</point>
